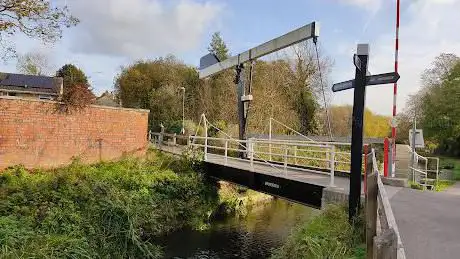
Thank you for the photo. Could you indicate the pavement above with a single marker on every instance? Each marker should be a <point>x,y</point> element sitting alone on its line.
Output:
<point>428,222</point>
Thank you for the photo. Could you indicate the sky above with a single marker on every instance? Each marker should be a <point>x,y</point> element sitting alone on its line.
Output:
<point>116,33</point>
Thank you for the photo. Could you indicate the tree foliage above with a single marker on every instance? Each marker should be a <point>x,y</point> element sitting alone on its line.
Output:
<point>72,75</point>
<point>77,91</point>
<point>441,113</point>
<point>34,63</point>
<point>155,85</point>
<point>436,106</point>
<point>374,125</point>
<point>283,88</point>
<point>218,47</point>
<point>39,19</point>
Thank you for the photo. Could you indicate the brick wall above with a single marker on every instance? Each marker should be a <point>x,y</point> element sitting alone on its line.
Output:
<point>34,133</point>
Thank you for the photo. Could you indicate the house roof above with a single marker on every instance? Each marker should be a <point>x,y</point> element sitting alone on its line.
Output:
<point>107,99</point>
<point>30,83</point>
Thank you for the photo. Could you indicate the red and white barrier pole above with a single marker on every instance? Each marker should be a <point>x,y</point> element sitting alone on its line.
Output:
<point>395,90</point>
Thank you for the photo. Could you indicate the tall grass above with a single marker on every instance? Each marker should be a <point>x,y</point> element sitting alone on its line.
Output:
<point>328,235</point>
<point>108,210</point>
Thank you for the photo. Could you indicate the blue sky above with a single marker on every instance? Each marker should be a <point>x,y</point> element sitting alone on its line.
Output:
<point>115,33</point>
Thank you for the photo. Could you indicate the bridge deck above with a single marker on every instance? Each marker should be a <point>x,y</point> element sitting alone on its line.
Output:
<point>299,175</point>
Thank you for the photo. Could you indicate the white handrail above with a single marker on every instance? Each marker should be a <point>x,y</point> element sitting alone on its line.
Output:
<point>253,153</point>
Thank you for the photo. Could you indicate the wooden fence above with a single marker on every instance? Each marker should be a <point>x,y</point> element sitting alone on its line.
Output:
<point>382,236</point>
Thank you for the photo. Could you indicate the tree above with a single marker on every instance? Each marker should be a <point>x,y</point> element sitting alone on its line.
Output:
<point>34,18</point>
<point>156,85</point>
<point>77,91</point>
<point>34,63</point>
<point>374,125</point>
<point>218,47</point>
<point>440,117</point>
<point>72,75</point>
<point>441,67</point>
<point>431,78</point>
<point>433,105</point>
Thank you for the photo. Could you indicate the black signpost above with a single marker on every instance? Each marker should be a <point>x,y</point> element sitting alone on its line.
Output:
<point>359,84</point>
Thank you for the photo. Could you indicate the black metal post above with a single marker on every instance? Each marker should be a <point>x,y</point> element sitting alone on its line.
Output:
<point>239,81</point>
<point>357,131</point>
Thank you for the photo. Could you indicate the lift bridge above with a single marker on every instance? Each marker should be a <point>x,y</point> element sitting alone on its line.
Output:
<point>294,170</point>
<point>305,171</point>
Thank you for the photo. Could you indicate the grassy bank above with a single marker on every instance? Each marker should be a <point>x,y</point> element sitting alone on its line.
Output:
<point>107,210</point>
<point>237,201</point>
<point>327,235</point>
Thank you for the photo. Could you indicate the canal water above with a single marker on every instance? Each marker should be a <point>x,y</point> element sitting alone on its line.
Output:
<point>253,236</point>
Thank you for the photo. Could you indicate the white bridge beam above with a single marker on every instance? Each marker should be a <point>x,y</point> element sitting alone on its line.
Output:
<point>303,33</point>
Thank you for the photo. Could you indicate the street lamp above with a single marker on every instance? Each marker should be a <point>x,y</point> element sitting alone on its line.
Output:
<point>183,109</point>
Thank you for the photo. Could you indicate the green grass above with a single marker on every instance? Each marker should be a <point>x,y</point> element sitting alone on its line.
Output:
<point>442,185</point>
<point>439,186</point>
<point>328,235</point>
<point>107,210</point>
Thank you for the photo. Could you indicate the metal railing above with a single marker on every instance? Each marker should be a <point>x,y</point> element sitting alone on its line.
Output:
<point>421,175</point>
<point>284,155</point>
<point>302,155</point>
<point>382,234</point>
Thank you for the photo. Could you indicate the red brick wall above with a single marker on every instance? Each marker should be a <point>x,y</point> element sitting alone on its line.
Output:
<point>34,133</point>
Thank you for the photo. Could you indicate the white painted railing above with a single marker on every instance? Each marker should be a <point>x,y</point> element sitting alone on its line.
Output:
<point>420,175</point>
<point>255,151</point>
<point>310,156</point>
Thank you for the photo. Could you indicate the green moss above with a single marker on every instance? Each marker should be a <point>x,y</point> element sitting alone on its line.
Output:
<point>328,235</point>
<point>108,210</point>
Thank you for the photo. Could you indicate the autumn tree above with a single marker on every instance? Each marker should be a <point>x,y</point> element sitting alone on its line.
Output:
<point>375,125</point>
<point>77,91</point>
<point>34,63</point>
<point>39,19</point>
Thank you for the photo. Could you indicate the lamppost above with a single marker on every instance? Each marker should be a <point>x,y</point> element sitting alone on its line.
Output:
<point>183,109</point>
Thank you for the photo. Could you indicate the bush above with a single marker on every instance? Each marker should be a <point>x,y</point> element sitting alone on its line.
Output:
<point>106,210</point>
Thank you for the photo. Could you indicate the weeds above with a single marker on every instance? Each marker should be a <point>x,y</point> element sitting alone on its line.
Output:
<point>108,210</point>
<point>328,235</point>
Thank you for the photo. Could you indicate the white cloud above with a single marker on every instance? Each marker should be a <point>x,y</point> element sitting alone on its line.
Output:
<point>140,28</point>
<point>428,28</point>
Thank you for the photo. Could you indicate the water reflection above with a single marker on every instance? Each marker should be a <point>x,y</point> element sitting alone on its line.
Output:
<point>253,236</point>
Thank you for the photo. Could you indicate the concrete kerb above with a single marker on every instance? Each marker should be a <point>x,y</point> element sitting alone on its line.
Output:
<point>396,182</point>
<point>334,195</point>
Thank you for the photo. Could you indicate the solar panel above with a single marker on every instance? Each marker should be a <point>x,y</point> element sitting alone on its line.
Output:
<point>44,82</point>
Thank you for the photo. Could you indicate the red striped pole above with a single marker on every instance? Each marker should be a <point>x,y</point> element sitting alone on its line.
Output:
<point>395,88</point>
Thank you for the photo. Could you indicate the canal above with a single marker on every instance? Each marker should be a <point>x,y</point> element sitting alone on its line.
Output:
<point>254,236</point>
